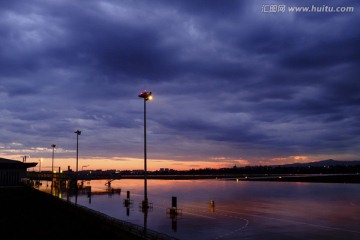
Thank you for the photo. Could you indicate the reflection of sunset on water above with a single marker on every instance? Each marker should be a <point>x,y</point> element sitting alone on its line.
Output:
<point>229,209</point>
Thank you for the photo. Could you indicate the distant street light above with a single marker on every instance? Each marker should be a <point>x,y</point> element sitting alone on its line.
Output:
<point>40,160</point>
<point>78,132</point>
<point>52,164</point>
<point>146,96</point>
<point>25,157</point>
<point>82,167</point>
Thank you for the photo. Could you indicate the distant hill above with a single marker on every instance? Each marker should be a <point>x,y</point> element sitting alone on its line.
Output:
<point>329,162</point>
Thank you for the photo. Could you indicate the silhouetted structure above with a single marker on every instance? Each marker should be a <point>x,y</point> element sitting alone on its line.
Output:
<point>12,172</point>
<point>146,96</point>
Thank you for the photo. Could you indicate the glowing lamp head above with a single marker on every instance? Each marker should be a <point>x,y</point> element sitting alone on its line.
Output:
<point>145,95</point>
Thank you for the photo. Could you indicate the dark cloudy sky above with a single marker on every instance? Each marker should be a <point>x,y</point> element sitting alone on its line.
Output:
<point>232,82</point>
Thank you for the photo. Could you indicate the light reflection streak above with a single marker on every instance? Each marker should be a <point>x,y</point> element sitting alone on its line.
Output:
<point>236,230</point>
<point>199,215</point>
<point>281,219</point>
<point>246,221</point>
<point>196,208</point>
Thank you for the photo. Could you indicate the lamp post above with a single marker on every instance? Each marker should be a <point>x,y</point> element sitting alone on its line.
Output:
<point>52,164</point>
<point>146,96</point>
<point>40,160</point>
<point>25,157</point>
<point>78,132</point>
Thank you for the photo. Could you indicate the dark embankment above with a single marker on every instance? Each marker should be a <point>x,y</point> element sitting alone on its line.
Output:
<point>27,213</point>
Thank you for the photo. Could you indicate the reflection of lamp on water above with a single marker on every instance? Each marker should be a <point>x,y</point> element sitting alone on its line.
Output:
<point>146,96</point>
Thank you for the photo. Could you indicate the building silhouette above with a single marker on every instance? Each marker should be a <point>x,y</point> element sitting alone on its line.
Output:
<point>12,172</point>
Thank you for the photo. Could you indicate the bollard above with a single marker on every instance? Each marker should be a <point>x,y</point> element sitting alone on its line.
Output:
<point>127,201</point>
<point>174,202</point>
<point>212,206</point>
<point>174,211</point>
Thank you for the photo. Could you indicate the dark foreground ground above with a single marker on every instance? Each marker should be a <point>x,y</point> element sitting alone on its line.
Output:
<point>26,213</point>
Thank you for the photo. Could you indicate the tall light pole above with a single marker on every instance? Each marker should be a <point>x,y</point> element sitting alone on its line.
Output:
<point>146,96</point>
<point>78,132</point>
<point>52,164</point>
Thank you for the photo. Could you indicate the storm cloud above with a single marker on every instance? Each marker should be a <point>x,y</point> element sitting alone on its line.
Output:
<point>230,80</point>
